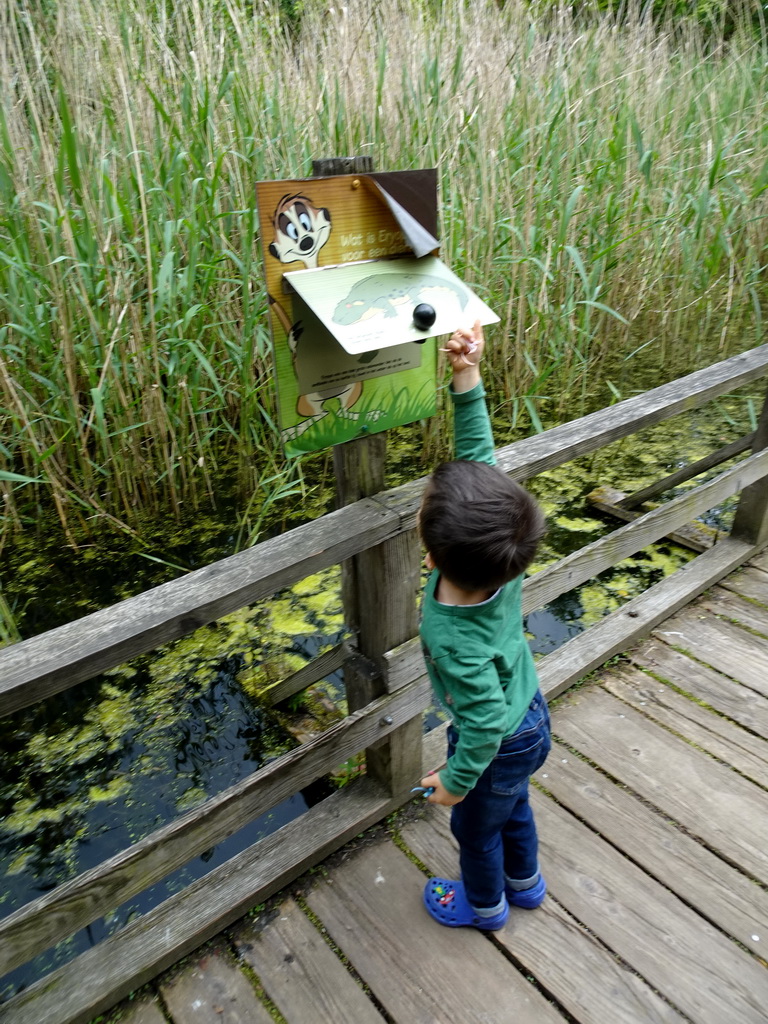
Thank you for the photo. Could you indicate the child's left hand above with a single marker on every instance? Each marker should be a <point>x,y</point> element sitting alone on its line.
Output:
<point>441,794</point>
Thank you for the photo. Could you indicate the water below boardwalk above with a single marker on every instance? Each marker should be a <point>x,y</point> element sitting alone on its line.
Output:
<point>95,769</point>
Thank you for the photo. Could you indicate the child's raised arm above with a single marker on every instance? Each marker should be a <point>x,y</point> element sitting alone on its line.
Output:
<point>474,440</point>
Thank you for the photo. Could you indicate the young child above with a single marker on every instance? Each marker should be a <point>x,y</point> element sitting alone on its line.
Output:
<point>481,530</point>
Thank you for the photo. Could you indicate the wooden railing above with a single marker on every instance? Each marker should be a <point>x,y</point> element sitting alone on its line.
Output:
<point>386,687</point>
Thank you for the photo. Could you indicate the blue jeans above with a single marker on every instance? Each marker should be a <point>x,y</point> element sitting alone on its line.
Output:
<point>494,823</point>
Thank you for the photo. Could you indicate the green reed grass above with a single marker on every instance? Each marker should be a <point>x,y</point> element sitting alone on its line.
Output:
<point>603,186</point>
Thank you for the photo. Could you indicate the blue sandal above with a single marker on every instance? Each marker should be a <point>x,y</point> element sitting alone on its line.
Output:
<point>528,899</point>
<point>447,902</point>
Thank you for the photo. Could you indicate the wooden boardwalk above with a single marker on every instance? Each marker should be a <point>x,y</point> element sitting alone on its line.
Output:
<point>653,817</point>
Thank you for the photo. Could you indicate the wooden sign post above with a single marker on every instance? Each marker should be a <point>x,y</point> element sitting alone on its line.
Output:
<point>379,587</point>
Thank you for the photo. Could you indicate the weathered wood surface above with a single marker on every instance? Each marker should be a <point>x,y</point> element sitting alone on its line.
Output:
<point>649,857</point>
<point>750,582</point>
<point>419,972</point>
<point>213,990</point>
<point>380,588</point>
<point>688,472</point>
<point>300,972</point>
<point>691,535</point>
<point>323,665</point>
<point>720,892</point>
<point>723,809</point>
<point>619,630</point>
<point>724,695</point>
<point>96,980</point>
<point>553,947</point>
<point>720,601</point>
<point>697,968</point>
<point>719,644</point>
<point>145,1011</point>
<point>722,739</point>
<point>56,660</point>
<point>750,523</point>
<point>75,904</point>
<point>601,554</point>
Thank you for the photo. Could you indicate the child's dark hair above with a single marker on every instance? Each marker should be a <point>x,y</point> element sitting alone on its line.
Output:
<point>480,526</point>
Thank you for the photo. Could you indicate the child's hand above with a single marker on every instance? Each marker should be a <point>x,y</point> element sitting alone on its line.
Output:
<point>465,350</point>
<point>441,794</point>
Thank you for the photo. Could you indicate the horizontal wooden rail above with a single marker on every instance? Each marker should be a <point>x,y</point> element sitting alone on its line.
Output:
<point>619,630</point>
<point>73,905</point>
<point>653,490</point>
<point>323,665</point>
<point>580,437</point>
<point>533,455</point>
<point>97,979</point>
<point>594,558</point>
<point>46,664</point>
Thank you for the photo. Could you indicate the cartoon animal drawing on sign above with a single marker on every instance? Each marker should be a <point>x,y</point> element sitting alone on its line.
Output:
<point>301,229</point>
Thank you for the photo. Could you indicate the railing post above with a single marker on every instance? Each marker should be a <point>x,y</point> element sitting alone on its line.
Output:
<point>750,523</point>
<point>379,586</point>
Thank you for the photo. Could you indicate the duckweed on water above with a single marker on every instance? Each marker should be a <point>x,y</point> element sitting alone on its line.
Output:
<point>97,768</point>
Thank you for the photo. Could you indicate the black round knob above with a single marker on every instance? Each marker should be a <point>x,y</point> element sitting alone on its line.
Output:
<point>424,316</point>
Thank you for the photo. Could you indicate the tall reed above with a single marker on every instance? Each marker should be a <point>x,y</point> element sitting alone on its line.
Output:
<point>602,185</point>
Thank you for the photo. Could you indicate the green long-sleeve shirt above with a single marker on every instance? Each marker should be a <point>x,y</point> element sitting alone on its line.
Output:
<point>478,660</point>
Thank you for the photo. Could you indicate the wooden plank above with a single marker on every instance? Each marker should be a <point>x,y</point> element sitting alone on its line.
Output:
<point>380,588</point>
<point>213,990</point>
<point>636,618</point>
<point>739,703</point>
<point>749,582</point>
<point>719,644</point>
<point>342,165</point>
<point>760,560</point>
<point>552,946</point>
<point>601,554</point>
<point>653,490</point>
<point>144,1011</point>
<point>76,903</point>
<point>389,581</point>
<point>693,535</point>
<point>731,606</point>
<point>404,664</point>
<point>324,665</point>
<point>699,877</point>
<point>301,974</point>
<point>99,978</point>
<point>722,739</point>
<point>726,811</point>
<point>697,968</point>
<point>46,664</point>
<point>579,437</point>
<point>373,910</point>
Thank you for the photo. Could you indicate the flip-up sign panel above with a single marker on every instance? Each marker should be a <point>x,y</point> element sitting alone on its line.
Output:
<point>345,357</point>
<point>380,304</point>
